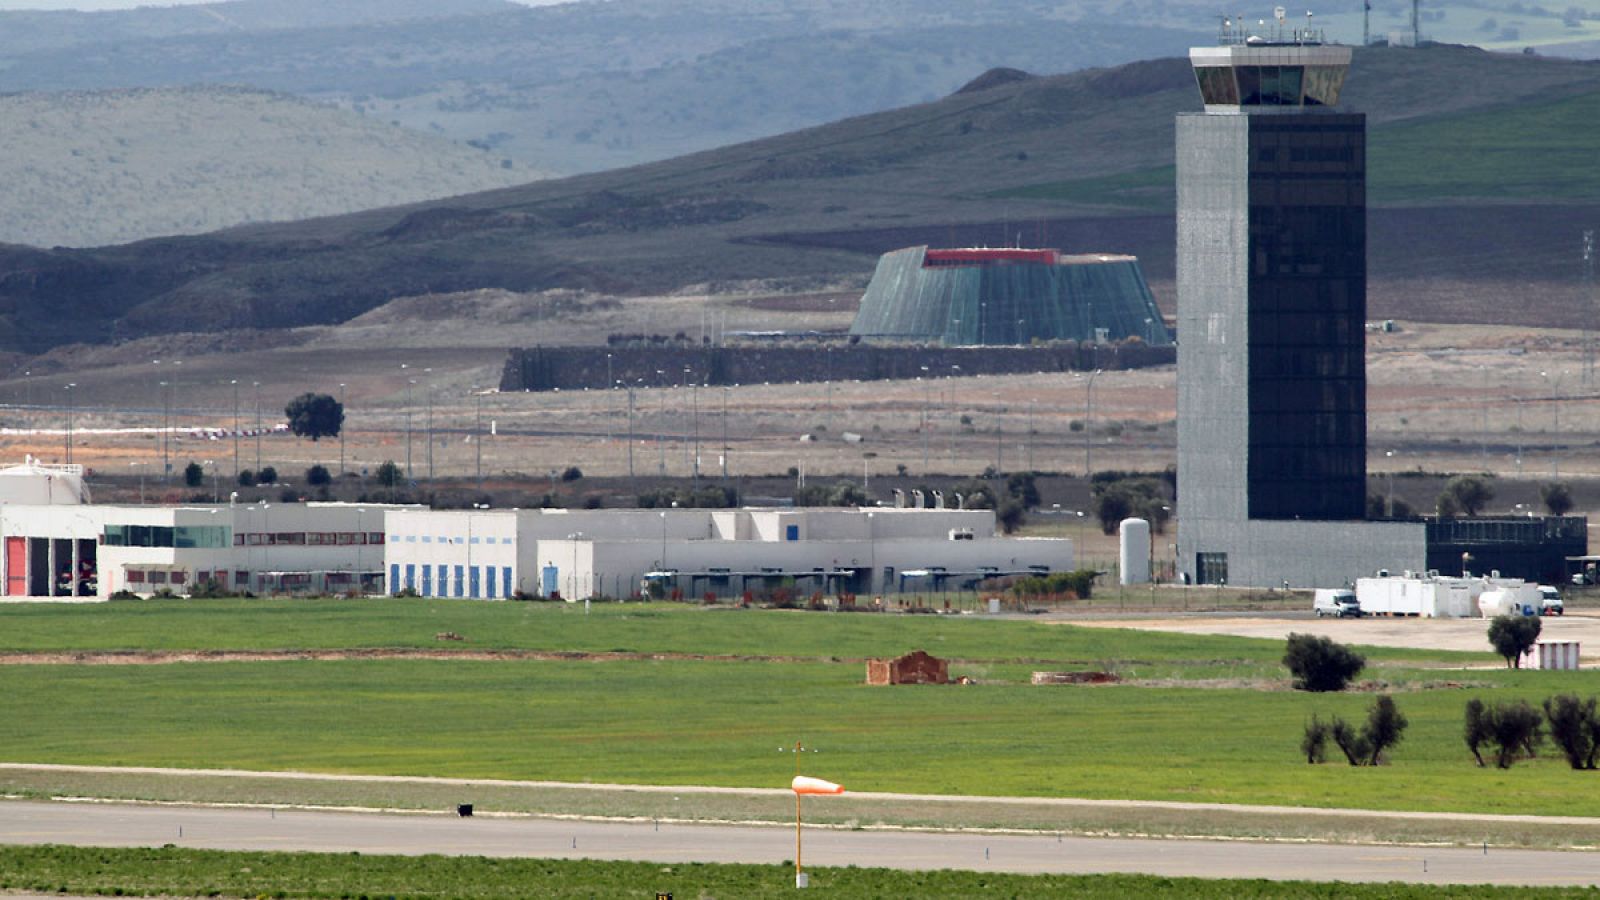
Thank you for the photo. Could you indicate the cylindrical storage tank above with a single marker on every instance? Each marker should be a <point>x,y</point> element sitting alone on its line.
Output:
<point>1497,603</point>
<point>1135,551</point>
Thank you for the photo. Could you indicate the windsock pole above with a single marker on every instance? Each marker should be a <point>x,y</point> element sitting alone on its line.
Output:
<point>798,869</point>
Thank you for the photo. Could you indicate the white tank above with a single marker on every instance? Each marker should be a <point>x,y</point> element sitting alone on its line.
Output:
<point>1135,551</point>
<point>1516,600</point>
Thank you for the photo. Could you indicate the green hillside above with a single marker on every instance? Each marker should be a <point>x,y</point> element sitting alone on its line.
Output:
<point>1527,152</point>
<point>1071,161</point>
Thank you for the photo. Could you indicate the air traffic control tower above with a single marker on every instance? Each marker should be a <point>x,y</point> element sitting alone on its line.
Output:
<point>1271,280</point>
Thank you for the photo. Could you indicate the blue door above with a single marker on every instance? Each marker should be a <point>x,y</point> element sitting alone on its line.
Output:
<point>427,581</point>
<point>411,576</point>
<point>488,582</point>
<point>505,580</point>
<point>461,589</point>
<point>551,578</point>
<point>394,578</point>
<point>474,582</point>
<point>792,533</point>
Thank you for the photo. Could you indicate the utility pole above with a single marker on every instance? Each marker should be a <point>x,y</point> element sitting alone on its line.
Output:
<point>341,429</point>
<point>257,386</point>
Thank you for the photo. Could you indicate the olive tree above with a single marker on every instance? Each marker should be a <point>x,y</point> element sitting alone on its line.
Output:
<point>1319,664</point>
<point>1512,636</point>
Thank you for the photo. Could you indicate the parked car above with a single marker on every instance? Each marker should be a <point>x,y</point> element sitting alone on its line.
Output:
<point>1337,602</point>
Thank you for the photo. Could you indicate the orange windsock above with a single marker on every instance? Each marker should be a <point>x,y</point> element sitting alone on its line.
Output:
<point>803,784</point>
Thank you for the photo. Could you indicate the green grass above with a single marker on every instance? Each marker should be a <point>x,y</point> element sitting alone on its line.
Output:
<point>637,628</point>
<point>198,873</point>
<point>682,722</point>
<point>1526,153</point>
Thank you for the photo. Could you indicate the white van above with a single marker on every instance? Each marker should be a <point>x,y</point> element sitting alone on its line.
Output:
<point>1338,602</point>
<point>1550,601</point>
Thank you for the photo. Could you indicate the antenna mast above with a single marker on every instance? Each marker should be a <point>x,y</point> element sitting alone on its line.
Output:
<point>1366,23</point>
<point>1416,29</point>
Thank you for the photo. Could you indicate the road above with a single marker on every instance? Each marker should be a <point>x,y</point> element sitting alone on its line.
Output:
<point>128,825</point>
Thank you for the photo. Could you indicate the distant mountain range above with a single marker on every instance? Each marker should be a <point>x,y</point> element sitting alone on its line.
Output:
<point>1479,196</point>
<point>106,167</point>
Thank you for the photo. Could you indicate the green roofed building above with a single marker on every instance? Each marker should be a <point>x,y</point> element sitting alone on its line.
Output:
<point>1008,296</point>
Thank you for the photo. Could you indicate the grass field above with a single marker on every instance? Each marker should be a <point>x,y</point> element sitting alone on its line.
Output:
<point>277,624</point>
<point>200,873</point>
<point>1200,728</point>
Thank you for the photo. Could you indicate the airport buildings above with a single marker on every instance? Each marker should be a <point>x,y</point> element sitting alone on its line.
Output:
<point>58,547</point>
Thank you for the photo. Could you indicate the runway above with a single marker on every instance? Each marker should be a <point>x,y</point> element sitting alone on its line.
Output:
<point>129,825</point>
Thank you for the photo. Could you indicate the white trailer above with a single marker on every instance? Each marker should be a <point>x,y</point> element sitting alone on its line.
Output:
<point>1430,596</point>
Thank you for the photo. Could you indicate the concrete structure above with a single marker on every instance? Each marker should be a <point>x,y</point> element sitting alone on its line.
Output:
<point>91,552</point>
<point>1008,296</point>
<point>1134,556</point>
<point>1271,278</point>
<point>492,554</point>
<point>1562,655</point>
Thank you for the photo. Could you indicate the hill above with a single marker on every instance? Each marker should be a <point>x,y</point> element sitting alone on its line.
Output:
<point>975,167</point>
<point>87,169</point>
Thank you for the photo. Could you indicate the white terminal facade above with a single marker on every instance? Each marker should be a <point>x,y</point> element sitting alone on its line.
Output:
<point>59,546</point>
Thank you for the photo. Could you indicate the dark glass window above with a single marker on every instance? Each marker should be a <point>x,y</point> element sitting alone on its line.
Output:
<point>1211,568</point>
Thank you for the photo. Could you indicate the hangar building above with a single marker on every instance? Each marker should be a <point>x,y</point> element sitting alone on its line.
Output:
<point>961,297</point>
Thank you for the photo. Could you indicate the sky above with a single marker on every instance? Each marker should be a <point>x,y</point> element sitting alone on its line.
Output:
<point>130,4</point>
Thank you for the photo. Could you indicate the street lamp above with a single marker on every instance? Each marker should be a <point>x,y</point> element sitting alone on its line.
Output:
<point>1088,425</point>
<point>257,386</point>
<point>1555,408</point>
<point>215,492</point>
<point>69,421</point>
<point>141,480</point>
<point>1389,455</point>
<point>341,434</point>
<point>927,390</point>
<point>428,388</point>
<point>235,383</point>
<point>477,433</point>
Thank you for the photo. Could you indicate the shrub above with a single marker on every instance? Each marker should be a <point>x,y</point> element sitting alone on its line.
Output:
<point>318,476</point>
<point>193,475</point>
<point>1467,493</point>
<point>247,478</point>
<point>267,475</point>
<point>571,473</point>
<point>1512,636</point>
<point>389,474</point>
<point>1314,744</point>
<point>210,589</point>
<point>1384,728</point>
<point>1574,728</point>
<point>1319,664</point>
<point>1514,729</point>
<point>1557,497</point>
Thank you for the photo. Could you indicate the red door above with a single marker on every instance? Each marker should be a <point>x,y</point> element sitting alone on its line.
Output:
<point>16,567</point>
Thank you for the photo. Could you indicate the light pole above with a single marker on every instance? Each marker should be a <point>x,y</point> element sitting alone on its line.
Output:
<point>1555,409</point>
<point>410,383</point>
<point>427,375</point>
<point>341,434</point>
<point>663,541</point>
<point>724,457</point>
<point>610,386</point>
<point>235,383</point>
<point>1028,447</point>
<point>257,386</point>
<point>1088,426</point>
<point>927,397</point>
<point>695,401</point>
<point>70,386</point>
<point>477,432</point>
<point>215,492</point>
<point>1389,455</point>
<point>631,486</point>
<point>661,445</point>
<point>141,479</point>
<point>575,537</point>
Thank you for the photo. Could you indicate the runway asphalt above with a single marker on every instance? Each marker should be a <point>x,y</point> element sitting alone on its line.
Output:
<point>129,825</point>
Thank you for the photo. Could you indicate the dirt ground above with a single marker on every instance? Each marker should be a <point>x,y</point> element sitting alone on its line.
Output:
<point>1377,631</point>
<point>1441,398</point>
